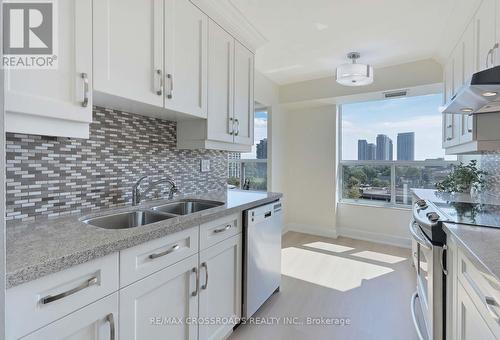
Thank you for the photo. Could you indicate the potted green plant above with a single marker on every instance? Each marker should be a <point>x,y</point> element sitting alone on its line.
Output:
<point>463,178</point>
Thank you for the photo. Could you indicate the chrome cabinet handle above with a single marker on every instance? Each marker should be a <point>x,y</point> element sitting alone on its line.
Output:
<point>158,74</point>
<point>441,259</point>
<point>195,271</point>
<point>231,121</point>
<point>205,265</point>
<point>449,138</point>
<point>414,316</point>
<point>163,253</point>
<point>221,230</point>
<point>111,320</point>
<point>51,298</point>
<point>85,78</point>
<point>490,303</point>
<point>238,127</point>
<point>171,86</point>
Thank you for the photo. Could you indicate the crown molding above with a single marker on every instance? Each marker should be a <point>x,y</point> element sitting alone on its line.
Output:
<point>227,15</point>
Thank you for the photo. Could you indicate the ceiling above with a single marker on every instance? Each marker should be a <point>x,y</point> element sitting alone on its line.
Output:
<point>308,39</point>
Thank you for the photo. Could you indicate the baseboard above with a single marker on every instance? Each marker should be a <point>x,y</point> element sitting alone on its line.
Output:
<point>364,235</point>
<point>312,230</point>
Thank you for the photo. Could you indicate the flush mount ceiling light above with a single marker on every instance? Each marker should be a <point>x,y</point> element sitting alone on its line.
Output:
<point>489,94</point>
<point>354,74</point>
<point>467,110</point>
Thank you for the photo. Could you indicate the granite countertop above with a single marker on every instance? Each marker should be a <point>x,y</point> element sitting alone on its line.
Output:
<point>481,244</point>
<point>39,248</point>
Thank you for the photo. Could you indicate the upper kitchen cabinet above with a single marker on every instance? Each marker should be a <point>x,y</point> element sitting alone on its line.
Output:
<point>128,53</point>
<point>151,56</point>
<point>243,94</point>
<point>485,29</point>
<point>475,51</point>
<point>229,123</point>
<point>56,102</point>
<point>186,29</point>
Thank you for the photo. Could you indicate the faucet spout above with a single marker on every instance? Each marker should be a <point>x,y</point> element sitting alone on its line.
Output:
<point>137,195</point>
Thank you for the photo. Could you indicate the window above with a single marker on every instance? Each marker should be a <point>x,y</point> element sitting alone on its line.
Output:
<point>389,147</point>
<point>249,170</point>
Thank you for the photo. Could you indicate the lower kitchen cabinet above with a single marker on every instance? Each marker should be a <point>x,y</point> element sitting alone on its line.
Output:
<point>471,324</point>
<point>220,287</point>
<point>97,321</point>
<point>160,306</point>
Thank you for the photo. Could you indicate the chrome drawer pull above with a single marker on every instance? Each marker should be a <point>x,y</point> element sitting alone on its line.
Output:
<point>111,320</point>
<point>490,303</point>
<point>221,230</point>
<point>205,265</point>
<point>51,298</point>
<point>163,253</point>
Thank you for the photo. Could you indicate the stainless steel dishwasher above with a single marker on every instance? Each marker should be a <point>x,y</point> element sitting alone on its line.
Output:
<point>262,255</point>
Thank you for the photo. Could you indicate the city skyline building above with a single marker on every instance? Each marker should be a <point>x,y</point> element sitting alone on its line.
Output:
<point>384,148</point>
<point>262,149</point>
<point>406,146</point>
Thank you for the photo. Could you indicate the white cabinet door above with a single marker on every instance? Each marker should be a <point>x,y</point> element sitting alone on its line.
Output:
<point>128,49</point>
<point>485,33</point>
<point>186,38</point>
<point>220,287</point>
<point>451,128</point>
<point>470,323</point>
<point>243,94</point>
<point>220,84</point>
<point>97,321</point>
<point>458,67</point>
<point>159,306</point>
<point>56,102</point>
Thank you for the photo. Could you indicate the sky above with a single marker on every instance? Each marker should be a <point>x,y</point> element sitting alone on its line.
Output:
<point>392,116</point>
<point>260,132</point>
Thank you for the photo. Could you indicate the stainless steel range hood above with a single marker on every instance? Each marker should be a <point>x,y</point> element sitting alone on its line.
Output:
<point>480,95</point>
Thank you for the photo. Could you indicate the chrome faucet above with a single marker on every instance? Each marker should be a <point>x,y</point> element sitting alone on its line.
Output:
<point>137,195</point>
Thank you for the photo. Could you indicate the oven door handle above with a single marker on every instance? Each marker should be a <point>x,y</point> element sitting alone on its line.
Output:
<point>414,316</point>
<point>418,236</point>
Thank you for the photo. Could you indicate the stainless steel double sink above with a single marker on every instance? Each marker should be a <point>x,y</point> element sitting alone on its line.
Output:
<point>154,214</point>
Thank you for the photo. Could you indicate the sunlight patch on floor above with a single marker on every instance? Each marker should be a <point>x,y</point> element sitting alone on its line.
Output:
<point>379,257</point>
<point>328,270</point>
<point>335,248</point>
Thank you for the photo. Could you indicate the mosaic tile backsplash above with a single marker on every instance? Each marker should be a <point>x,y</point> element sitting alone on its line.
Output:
<point>491,164</point>
<point>48,176</point>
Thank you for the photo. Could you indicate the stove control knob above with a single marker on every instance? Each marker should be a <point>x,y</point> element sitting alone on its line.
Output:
<point>433,217</point>
<point>422,203</point>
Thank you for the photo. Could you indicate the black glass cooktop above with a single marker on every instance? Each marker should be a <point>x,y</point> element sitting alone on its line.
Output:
<point>486,215</point>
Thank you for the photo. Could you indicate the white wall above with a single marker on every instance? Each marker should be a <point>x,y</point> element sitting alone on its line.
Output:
<point>310,170</point>
<point>267,94</point>
<point>380,224</point>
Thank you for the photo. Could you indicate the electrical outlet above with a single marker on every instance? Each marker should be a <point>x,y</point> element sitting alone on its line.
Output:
<point>205,165</point>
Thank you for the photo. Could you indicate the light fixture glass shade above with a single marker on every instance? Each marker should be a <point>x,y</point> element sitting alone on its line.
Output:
<point>354,74</point>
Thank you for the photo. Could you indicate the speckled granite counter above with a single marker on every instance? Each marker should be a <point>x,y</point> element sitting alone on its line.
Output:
<point>481,244</point>
<point>36,249</point>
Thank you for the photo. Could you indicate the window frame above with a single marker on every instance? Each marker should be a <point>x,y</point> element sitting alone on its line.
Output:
<point>374,203</point>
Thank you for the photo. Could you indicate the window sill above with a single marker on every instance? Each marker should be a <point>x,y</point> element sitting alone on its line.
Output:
<point>375,205</point>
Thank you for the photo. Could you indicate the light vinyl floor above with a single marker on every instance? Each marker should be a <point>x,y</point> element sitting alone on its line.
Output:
<point>353,289</point>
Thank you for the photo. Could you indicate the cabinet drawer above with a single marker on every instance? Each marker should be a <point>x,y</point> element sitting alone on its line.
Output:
<point>98,320</point>
<point>37,303</point>
<point>485,296</point>
<point>215,231</point>
<point>148,258</point>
